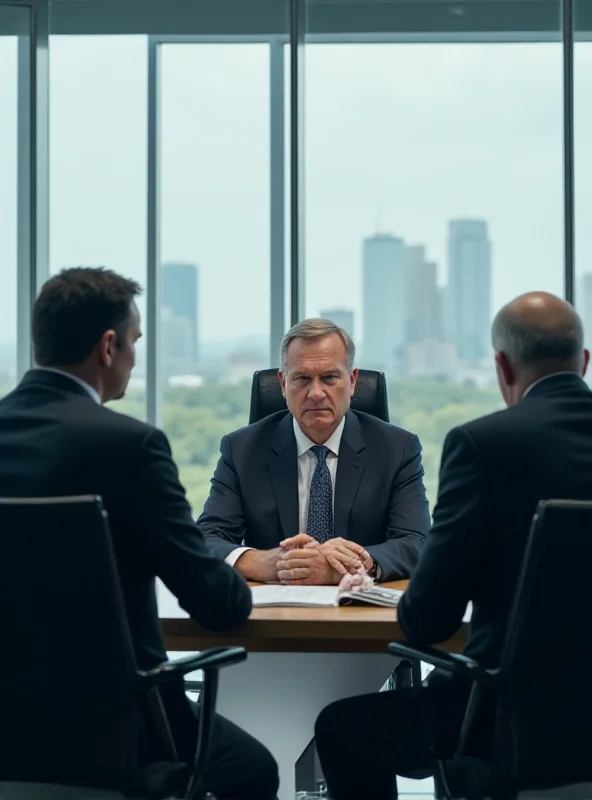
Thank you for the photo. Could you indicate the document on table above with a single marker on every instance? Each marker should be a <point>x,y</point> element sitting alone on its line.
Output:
<point>322,596</point>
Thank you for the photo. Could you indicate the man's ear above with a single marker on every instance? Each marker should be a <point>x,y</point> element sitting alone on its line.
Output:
<point>505,368</point>
<point>107,347</point>
<point>353,379</point>
<point>586,362</point>
<point>282,378</point>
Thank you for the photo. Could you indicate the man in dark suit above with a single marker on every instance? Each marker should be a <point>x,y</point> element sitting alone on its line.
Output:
<point>307,494</point>
<point>494,472</point>
<point>57,438</point>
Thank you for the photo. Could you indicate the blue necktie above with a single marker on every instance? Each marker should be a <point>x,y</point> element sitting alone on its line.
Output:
<point>320,502</point>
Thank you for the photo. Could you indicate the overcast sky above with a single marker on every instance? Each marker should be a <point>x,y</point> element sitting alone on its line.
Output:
<point>403,137</point>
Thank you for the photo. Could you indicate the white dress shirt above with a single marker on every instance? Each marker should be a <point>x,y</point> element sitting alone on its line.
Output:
<point>307,462</point>
<point>86,386</point>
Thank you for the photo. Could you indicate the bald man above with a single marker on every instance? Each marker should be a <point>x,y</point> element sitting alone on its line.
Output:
<point>494,471</point>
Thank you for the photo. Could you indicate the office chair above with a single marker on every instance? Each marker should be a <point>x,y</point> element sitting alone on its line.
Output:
<point>542,733</point>
<point>369,396</point>
<point>70,691</point>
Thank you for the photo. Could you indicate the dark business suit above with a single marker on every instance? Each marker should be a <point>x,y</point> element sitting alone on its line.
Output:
<point>56,440</point>
<point>494,472</point>
<point>379,503</point>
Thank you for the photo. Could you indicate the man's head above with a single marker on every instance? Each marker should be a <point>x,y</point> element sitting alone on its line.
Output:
<point>86,322</point>
<point>318,376</point>
<point>536,335</point>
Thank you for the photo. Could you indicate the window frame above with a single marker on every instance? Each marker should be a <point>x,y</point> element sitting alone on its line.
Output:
<point>278,25</point>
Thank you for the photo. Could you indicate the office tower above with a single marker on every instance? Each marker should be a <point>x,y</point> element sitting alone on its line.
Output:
<point>342,317</point>
<point>431,358</point>
<point>423,309</point>
<point>383,300</point>
<point>469,289</point>
<point>179,294</point>
<point>176,349</point>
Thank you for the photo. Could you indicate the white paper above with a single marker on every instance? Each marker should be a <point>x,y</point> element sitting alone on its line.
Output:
<point>314,596</point>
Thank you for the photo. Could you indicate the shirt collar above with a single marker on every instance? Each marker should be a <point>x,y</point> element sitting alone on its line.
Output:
<point>546,378</point>
<point>303,443</point>
<point>86,386</point>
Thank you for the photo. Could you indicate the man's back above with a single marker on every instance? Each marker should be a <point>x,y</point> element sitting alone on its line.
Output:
<point>494,472</point>
<point>55,440</point>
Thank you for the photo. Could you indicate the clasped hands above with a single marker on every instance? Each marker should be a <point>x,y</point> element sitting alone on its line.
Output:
<point>304,561</point>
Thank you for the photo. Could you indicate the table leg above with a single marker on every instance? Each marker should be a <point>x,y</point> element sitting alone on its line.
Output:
<point>276,697</point>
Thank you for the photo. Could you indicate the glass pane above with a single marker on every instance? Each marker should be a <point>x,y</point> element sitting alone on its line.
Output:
<point>214,246</point>
<point>583,166</point>
<point>13,21</point>
<point>434,195</point>
<point>98,89</point>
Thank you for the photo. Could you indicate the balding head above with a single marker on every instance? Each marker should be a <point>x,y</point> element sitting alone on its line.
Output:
<point>535,335</point>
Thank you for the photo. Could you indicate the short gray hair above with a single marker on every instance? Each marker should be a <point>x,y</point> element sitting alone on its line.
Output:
<point>528,344</point>
<point>314,328</point>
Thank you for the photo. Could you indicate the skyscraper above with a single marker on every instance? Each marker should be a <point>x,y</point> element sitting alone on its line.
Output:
<point>469,288</point>
<point>423,307</point>
<point>179,295</point>
<point>383,300</point>
<point>343,317</point>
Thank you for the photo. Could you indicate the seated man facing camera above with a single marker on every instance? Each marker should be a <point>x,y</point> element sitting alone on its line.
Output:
<point>308,494</point>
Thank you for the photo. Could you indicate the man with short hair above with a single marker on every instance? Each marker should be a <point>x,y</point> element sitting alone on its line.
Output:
<point>57,439</point>
<point>308,494</point>
<point>494,472</point>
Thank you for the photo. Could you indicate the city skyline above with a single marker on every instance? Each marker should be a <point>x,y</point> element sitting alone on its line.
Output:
<point>454,138</point>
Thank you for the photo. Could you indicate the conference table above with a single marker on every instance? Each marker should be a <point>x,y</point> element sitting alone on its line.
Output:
<point>300,659</point>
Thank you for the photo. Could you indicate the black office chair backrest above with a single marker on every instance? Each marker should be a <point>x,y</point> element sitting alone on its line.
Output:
<point>544,727</point>
<point>68,687</point>
<point>369,396</point>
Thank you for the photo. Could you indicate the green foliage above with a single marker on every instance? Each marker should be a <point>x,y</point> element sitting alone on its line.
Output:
<point>196,419</point>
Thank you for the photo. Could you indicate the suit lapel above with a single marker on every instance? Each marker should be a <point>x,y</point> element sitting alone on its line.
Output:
<point>350,468</point>
<point>283,471</point>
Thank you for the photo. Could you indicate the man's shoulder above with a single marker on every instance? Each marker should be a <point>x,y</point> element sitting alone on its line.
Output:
<point>105,424</point>
<point>261,431</point>
<point>513,421</point>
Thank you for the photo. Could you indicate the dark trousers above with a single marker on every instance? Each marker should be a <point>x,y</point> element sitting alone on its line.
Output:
<point>364,742</point>
<point>239,768</point>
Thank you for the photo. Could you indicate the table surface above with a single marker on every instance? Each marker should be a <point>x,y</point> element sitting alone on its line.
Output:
<point>347,629</point>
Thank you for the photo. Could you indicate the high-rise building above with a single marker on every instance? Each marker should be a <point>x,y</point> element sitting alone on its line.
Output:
<point>176,339</point>
<point>343,317</point>
<point>469,288</point>
<point>383,300</point>
<point>423,302</point>
<point>180,295</point>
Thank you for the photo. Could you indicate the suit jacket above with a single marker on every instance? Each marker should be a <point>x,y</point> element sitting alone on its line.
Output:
<point>56,440</point>
<point>494,472</point>
<point>380,499</point>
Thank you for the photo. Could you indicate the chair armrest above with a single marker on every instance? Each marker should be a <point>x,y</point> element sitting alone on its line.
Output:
<point>450,662</point>
<point>213,659</point>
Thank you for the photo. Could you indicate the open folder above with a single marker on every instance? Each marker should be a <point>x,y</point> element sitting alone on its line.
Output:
<point>323,596</point>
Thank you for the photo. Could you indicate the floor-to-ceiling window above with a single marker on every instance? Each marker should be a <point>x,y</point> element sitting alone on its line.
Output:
<point>98,161</point>
<point>583,163</point>
<point>14,20</point>
<point>214,244</point>
<point>432,192</point>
